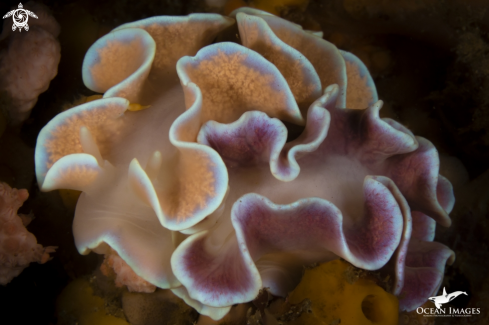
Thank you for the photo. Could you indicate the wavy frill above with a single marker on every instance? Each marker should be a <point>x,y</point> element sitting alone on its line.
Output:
<point>139,186</point>
<point>187,173</point>
<point>341,151</point>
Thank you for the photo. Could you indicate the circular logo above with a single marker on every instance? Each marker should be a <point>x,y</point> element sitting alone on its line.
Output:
<point>20,17</point>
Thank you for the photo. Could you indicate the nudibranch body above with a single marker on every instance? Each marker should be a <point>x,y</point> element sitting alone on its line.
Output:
<point>200,191</point>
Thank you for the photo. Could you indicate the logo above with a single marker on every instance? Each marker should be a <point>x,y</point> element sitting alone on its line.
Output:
<point>444,298</point>
<point>20,17</point>
<point>447,312</point>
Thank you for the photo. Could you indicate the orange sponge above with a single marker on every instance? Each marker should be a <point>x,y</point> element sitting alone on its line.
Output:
<point>114,265</point>
<point>18,247</point>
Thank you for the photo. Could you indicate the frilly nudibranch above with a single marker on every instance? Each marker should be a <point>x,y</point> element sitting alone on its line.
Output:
<point>202,193</point>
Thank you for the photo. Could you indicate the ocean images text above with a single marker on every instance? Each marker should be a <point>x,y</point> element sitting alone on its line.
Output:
<point>448,312</point>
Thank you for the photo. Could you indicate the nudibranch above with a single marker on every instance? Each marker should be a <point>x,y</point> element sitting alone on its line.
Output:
<point>189,174</point>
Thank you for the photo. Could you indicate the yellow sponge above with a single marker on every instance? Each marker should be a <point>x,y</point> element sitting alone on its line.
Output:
<point>336,300</point>
<point>78,305</point>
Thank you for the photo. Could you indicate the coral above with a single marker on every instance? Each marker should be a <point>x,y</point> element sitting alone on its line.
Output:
<point>28,63</point>
<point>18,247</point>
<point>335,299</point>
<point>194,173</point>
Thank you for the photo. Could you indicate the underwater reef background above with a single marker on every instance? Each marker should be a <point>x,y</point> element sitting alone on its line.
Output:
<point>430,63</point>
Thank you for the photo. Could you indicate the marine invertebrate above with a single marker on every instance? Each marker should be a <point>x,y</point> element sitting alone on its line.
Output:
<point>335,298</point>
<point>200,192</point>
<point>18,247</point>
<point>28,62</point>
